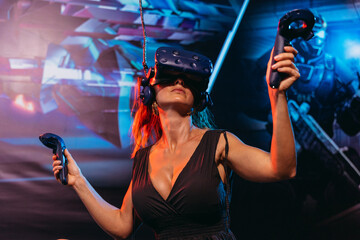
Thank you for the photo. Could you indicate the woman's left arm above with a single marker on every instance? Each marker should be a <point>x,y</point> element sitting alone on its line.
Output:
<point>283,153</point>
<point>257,165</point>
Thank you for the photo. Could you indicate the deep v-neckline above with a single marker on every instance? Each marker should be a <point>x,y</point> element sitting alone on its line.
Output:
<point>179,175</point>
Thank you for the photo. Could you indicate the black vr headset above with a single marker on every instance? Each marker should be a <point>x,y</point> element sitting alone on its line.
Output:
<point>173,63</point>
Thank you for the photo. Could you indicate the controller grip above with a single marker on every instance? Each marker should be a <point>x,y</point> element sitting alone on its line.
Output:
<point>275,76</point>
<point>63,173</point>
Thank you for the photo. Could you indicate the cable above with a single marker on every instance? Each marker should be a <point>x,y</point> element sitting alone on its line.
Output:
<point>144,35</point>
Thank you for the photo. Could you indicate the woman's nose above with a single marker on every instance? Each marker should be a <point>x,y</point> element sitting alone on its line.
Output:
<point>179,81</point>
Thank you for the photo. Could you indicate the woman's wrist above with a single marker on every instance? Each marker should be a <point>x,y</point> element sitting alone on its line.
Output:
<point>275,94</point>
<point>282,94</point>
<point>79,182</point>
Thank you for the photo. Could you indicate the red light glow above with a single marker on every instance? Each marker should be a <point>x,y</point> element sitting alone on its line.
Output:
<point>22,103</point>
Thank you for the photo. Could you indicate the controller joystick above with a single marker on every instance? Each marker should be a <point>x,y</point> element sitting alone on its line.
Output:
<point>57,144</point>
<point>294,24</point>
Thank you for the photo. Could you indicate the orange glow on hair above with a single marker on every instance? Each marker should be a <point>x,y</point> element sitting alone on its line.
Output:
<point>146,125</point>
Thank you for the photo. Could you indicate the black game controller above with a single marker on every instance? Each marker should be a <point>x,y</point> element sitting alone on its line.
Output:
<point>57,144</point>
<point>294,24</point>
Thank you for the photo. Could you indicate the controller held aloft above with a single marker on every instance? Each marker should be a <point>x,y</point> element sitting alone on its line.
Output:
<point>294,24</point>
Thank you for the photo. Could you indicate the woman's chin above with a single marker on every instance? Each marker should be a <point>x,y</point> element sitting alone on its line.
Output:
<point>176,106</point>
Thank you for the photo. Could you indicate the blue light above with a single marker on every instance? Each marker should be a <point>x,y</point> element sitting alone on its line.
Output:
<point>226,46</point>
<point>352,49</point>
<point>320,34</point>
<point>75,143</point>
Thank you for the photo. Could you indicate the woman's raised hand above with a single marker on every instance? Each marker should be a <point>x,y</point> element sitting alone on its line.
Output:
<point>284,64</point>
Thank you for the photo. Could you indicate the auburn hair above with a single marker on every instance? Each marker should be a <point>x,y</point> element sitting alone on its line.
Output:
<point>146,127</point>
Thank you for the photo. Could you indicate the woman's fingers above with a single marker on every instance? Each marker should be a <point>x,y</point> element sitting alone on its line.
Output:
<point>286,83</point>
<point>57,169</point>
<point>73,169</point>
<point>284,63</point>
<point>56,163</point>
<point>291,49</point>
<point>289,53</point>
<point>289,73</point>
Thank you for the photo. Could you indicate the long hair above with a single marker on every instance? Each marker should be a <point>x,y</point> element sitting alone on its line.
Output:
<point>146,127</point>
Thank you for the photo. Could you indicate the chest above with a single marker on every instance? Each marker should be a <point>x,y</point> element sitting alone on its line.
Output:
<point>165,167</point>
<point>315,82</point>
<point>179,185</point>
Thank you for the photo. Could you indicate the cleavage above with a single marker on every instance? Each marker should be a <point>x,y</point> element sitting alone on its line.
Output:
<point>164,169</point>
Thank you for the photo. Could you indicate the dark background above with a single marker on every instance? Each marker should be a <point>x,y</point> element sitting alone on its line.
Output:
<point>68,67</point>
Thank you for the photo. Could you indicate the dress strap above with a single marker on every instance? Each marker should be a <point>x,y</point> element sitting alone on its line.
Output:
<point>227,184</point>
<point>226,144</point>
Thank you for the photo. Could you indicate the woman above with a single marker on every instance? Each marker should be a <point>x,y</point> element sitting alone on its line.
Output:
<point>177,185</point>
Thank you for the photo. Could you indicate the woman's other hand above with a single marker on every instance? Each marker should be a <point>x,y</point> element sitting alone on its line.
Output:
<point>74,171</point>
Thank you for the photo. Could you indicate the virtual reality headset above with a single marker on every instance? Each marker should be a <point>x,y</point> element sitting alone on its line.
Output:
<point>172,63</point>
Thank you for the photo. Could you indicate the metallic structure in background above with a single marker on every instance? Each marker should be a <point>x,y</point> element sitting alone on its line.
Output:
<point>81,57</point>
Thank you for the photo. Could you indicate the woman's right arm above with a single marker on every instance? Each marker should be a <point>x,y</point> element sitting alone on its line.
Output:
<point>118,223</point>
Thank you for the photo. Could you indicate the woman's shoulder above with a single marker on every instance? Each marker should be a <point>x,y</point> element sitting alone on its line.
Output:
<point>141,153</point>
<point>202,133</point>
<point>216,132</point>
<point>139,160</point>
<point>227,141</point>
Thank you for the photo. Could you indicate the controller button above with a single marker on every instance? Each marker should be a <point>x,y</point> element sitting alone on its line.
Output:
<point>195,57</point>
<point>193,65</point>
<point>163,60</point>
<point>176,53</point>
<point>178,61</point>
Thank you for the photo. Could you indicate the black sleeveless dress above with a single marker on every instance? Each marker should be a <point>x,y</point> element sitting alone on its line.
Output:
<point>196,206</point>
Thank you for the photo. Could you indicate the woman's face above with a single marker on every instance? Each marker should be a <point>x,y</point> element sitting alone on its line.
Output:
<point>175,93</point>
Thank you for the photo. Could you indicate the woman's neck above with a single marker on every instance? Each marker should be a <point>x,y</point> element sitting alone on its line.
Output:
<point>177,129</point>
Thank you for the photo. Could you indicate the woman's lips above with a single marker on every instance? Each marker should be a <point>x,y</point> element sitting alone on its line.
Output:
<point>178,90</point>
